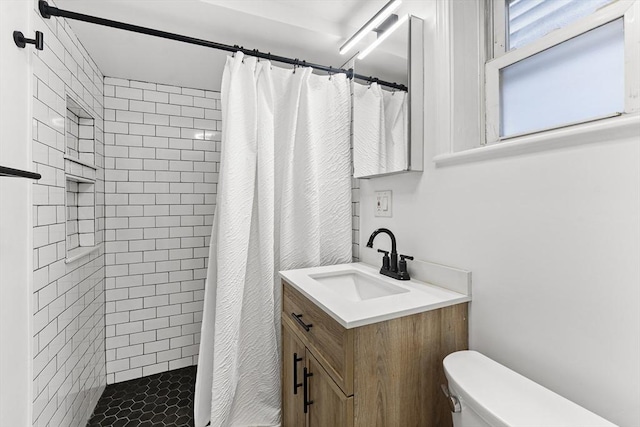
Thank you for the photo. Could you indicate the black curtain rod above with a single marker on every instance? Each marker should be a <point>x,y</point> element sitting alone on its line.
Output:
<point>48,11</point>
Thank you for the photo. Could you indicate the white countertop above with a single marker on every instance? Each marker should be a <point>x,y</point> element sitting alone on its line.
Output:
<point>420,297</point>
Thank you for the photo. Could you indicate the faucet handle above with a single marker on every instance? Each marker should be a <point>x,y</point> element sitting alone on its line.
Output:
<point>402,266</point>
<point>385,259</point>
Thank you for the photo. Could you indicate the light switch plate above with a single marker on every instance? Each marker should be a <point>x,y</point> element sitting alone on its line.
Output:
<point>383,203</point>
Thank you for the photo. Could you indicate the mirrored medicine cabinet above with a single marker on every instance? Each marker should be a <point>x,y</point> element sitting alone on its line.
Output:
<point>388,123</point>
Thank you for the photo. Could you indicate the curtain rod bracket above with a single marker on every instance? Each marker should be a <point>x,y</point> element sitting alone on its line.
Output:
<point>43,6</point>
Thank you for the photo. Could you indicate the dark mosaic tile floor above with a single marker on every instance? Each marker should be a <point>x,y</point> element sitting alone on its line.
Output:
<point>161,400</point>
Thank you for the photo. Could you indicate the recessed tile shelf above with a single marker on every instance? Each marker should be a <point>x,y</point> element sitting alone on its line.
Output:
<point>80,178</point>
<point>78,253</point>
<point>79,162</point>
<point>80,217</point>
<point>79,133</point>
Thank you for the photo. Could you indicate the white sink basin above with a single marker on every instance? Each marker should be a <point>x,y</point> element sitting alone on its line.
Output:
<point>353,285</point>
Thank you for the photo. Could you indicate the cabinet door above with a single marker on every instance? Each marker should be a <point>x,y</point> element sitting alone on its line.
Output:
<point>293,364</point>
<point>330,407</point>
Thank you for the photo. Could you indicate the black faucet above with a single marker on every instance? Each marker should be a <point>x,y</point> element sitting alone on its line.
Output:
<point>390,266</point>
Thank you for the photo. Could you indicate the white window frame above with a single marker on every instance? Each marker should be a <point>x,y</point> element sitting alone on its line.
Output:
<point>628,10</point>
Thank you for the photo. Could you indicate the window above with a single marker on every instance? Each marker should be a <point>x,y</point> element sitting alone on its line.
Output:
<point>528,20</point>
<point>559,63</point>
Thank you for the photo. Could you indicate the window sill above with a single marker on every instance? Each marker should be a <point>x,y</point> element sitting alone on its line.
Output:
<point>79,252</point>
<point>624,126</point>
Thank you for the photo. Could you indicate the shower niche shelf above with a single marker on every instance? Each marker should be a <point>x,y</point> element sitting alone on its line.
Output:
<point>80,182</point>
<point>80,217</point>
<point>79,134</point>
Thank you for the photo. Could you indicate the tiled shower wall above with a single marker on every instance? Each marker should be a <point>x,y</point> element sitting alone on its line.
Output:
<point>162,146</point>
<point>68,299</point>
<point>355,219</point>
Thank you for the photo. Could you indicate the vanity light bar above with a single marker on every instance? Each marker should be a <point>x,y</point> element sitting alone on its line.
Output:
<point>378,19</point>
<point>382,37</point>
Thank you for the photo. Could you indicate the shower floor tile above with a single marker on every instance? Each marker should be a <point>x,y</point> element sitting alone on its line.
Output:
<point>161,400</point>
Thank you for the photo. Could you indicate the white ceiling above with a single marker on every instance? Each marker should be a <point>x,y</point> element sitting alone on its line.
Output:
<point>312,30</point>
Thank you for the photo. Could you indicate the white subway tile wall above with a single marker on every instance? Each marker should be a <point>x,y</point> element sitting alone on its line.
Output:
<point>86,140</point>
<point>72,134</point>
<point>355,202</point>
<point>79,133</point>
<point>68,298</point>
<point>73,239</point>
<point>355,217</point>
<point>162,154</point>
<point>80,208</point>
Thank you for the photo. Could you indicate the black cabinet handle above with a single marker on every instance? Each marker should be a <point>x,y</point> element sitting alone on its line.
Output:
<point>300,322</point>
<point>296,384</point>
<point>306,390</point>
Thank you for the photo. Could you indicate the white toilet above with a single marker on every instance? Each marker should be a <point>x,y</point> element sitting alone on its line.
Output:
<point>484,393</point>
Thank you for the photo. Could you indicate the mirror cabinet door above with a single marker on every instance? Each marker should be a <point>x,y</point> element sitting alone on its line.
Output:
<point>387,137</point>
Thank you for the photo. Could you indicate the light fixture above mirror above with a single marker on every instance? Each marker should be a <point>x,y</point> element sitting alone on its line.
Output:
<point>383,35</point>
<point>378,19</point>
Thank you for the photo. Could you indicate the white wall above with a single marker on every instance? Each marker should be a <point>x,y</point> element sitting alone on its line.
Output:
<point>68,295</point>
<point>15,217</point>
<point>552,239</point>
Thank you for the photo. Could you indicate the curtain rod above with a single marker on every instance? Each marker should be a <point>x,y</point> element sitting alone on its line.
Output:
<point>48,11</point>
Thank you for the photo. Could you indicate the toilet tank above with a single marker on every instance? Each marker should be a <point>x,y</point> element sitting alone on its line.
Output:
<point>491,394</point>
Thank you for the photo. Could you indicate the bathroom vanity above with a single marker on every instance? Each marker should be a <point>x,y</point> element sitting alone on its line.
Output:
<point>360,350</point>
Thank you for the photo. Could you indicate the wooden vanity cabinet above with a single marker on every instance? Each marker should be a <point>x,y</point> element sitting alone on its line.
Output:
<point>385,374</point>
<point>326,403</point>
<point>294,361</point>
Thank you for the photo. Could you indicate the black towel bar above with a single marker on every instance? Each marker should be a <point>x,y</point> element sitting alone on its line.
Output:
<point>5,171</point>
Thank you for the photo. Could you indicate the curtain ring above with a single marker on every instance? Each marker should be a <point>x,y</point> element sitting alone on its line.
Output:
<point>330,72</point>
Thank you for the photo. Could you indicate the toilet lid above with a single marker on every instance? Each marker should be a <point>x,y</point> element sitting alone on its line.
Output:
<point>505,398</point>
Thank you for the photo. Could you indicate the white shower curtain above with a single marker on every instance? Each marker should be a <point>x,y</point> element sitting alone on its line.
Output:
<point>380,129</point>
<point>284,201</point>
